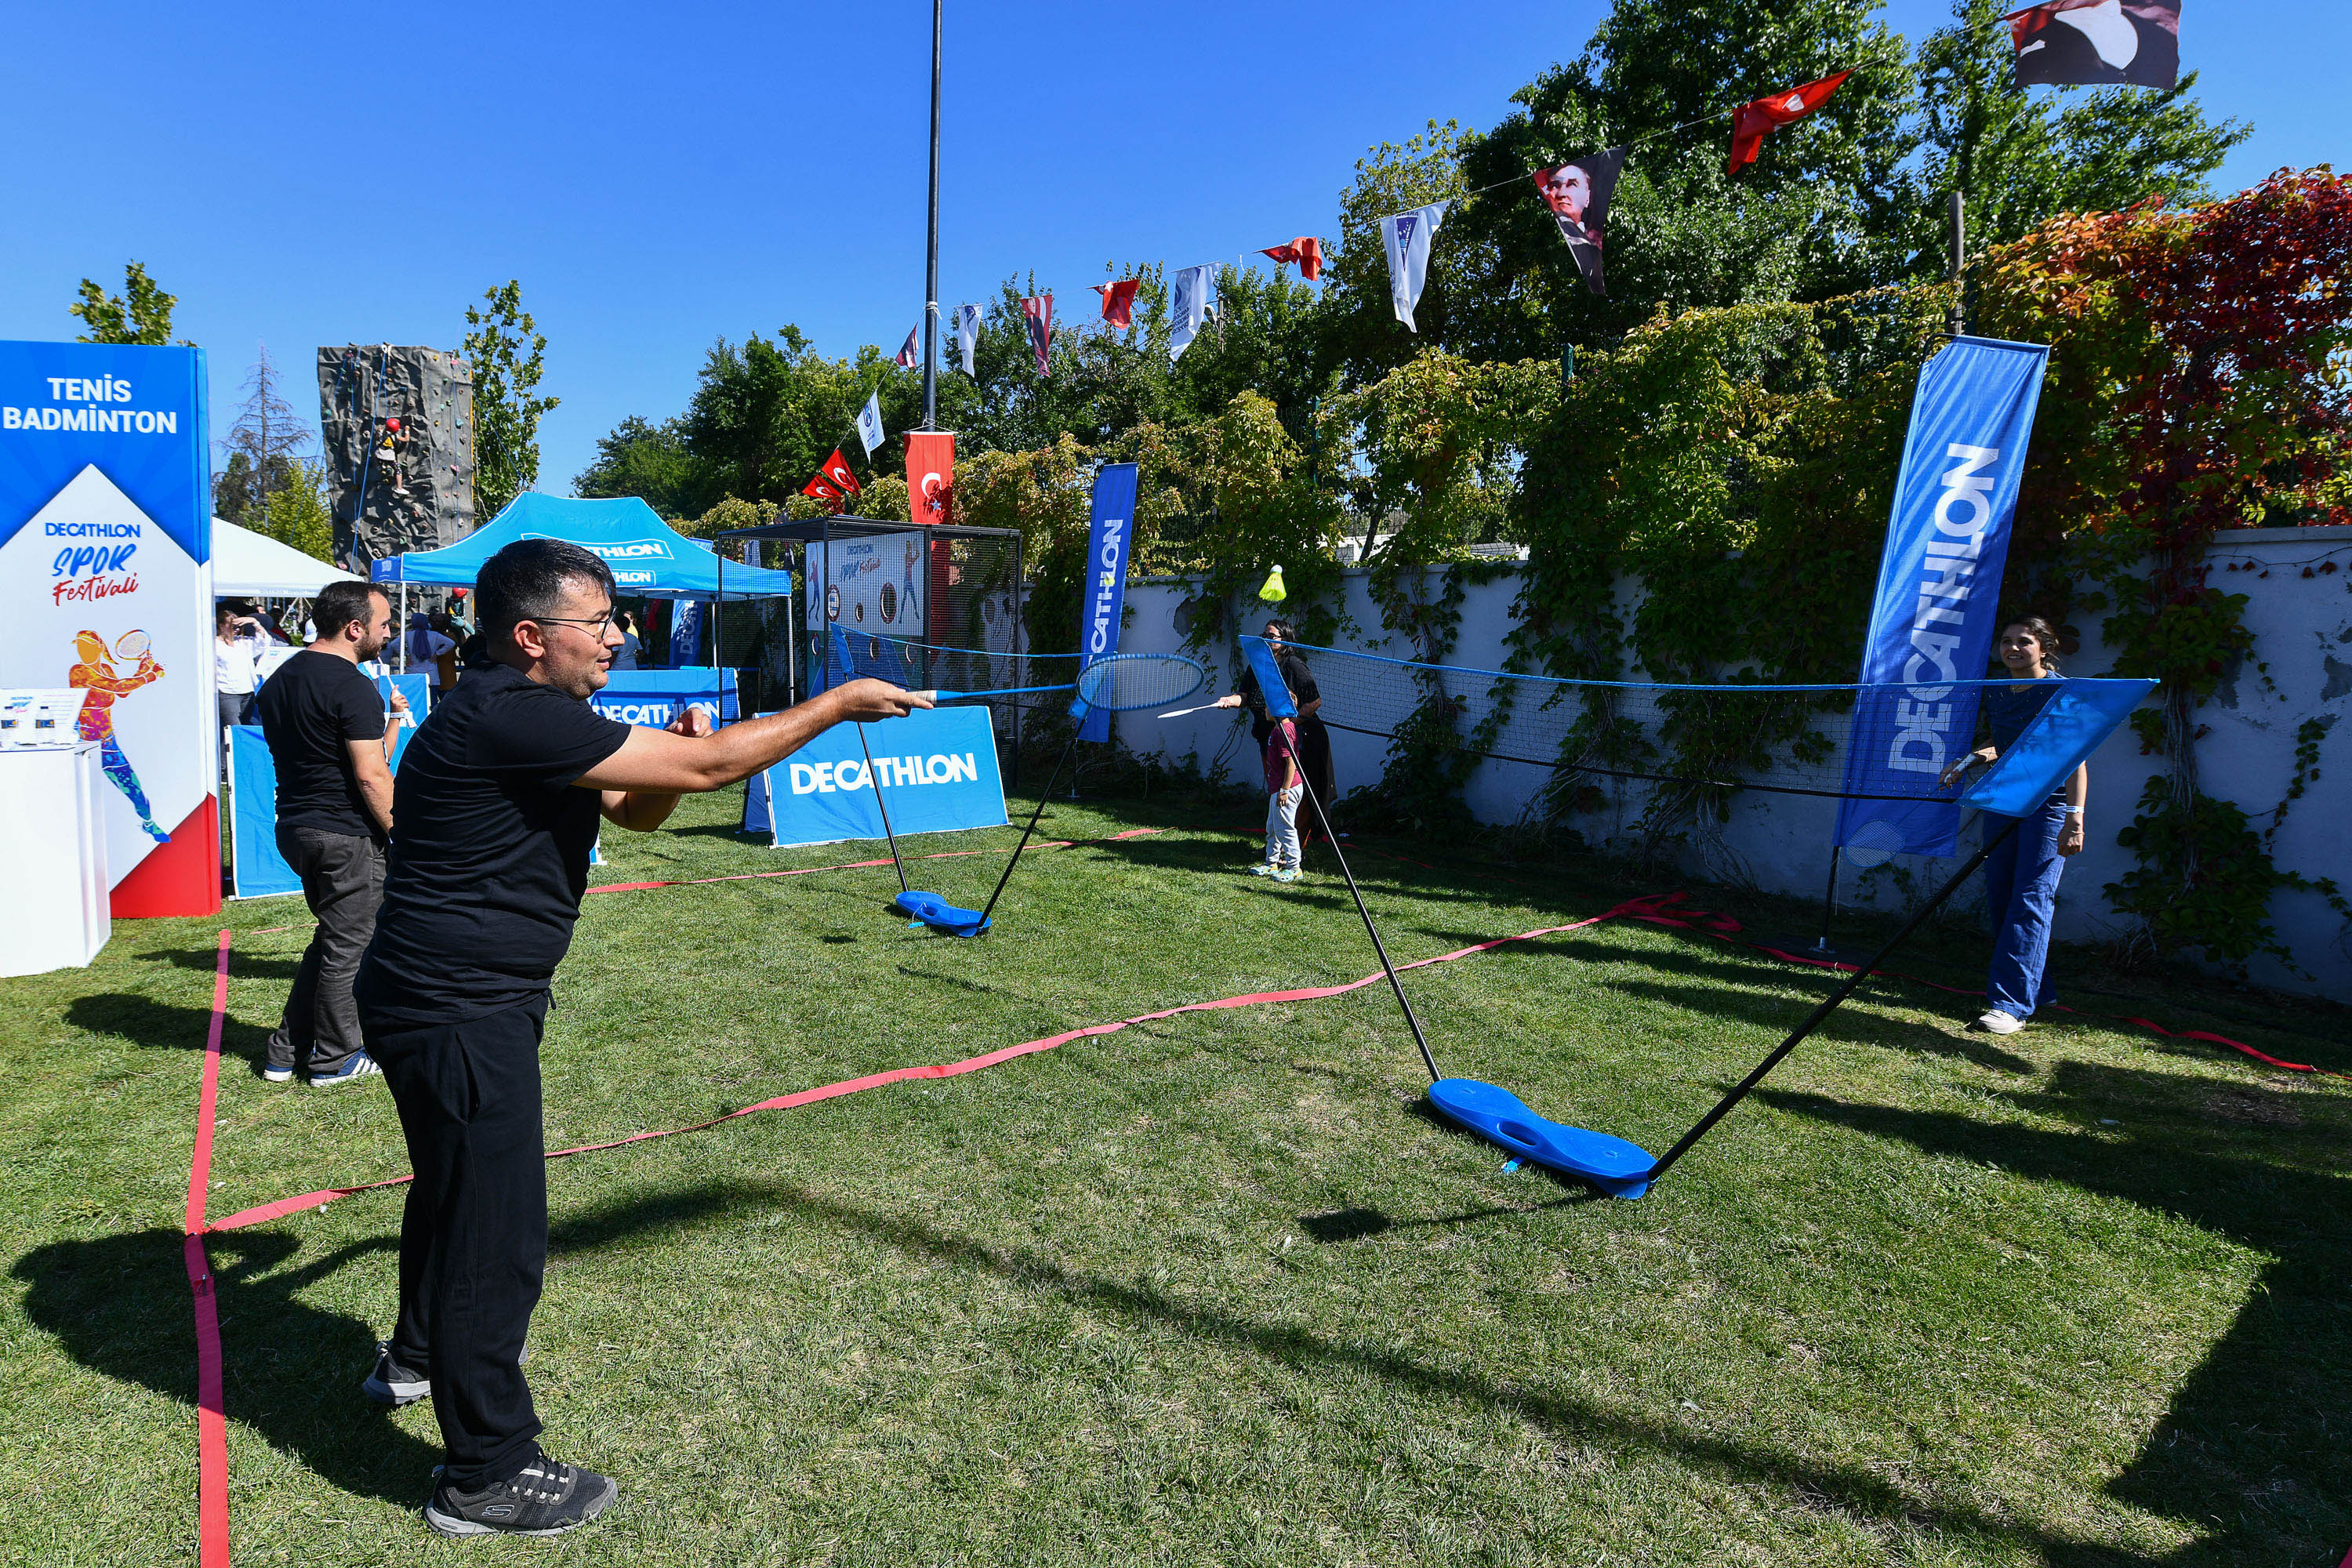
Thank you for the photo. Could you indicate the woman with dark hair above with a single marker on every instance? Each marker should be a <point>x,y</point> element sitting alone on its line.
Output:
<point>2021,874</point>
<point>1314,738</point>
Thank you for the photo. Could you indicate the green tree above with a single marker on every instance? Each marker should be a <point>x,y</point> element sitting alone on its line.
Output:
<point>2020,158</point>
<point>507,354</point>
<point>638,457</point>
<point>264,446</point>
<point>296,512</point>
<point>141,315</point>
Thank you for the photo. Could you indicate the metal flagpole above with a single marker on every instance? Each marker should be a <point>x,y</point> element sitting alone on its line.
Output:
<point>931,273</point>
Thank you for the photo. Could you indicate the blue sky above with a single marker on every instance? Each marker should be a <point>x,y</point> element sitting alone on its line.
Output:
<point>660,176</point>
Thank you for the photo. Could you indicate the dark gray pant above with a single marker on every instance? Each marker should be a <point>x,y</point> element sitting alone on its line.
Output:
<point>342,881</point>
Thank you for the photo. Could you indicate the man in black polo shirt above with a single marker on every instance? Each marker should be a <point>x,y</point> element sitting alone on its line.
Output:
<point>499,795</point>
<point>324,723</point>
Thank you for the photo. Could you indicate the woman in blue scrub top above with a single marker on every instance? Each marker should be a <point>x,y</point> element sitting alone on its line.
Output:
<point>2022,873</point>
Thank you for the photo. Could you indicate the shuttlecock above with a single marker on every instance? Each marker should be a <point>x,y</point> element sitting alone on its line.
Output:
<point>1274,592</point>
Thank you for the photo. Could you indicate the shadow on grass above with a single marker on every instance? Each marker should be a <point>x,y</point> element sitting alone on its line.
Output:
<point>165,1025</point>
<point>119,1305</point>
<point>242,965</point>
<point>2254,1449</point>
<point>1868,1497</point>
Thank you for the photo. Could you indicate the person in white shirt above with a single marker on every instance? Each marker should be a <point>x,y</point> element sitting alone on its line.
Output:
<point>239,641</point>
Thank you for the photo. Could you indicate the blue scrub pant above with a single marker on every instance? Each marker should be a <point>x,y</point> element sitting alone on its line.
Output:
<point>2020,895</point>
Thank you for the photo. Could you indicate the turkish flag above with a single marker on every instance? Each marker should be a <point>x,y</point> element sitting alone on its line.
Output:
<point>930,475</point>
<point>1307,251</point>
<point>1118,302</point>
<point>1751,121</point>
<point>823,492</point>
<point>837,473</point>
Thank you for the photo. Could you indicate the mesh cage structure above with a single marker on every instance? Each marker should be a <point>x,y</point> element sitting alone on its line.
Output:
<point>921,605</point>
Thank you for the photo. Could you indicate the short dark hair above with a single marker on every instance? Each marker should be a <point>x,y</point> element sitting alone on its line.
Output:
<point>525,580</point>
<point>339,604</point>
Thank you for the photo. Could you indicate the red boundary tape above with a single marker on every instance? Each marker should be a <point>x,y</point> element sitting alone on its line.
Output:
<point>212,1415</point>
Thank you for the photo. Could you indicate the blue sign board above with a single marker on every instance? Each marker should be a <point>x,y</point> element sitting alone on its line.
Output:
<point>937,769</point>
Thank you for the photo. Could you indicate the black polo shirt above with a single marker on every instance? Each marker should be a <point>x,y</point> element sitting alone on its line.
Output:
<point>311,711</point>
<point>489,852</point>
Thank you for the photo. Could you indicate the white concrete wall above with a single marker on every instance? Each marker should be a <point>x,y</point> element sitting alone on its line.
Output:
<point>2303,631</point>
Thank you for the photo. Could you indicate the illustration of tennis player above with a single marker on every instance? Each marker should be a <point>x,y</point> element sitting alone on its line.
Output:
<point>906,594</point>
<point>95,674</point>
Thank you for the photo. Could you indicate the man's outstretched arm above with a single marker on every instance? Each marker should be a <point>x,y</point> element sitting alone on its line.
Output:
<point>652,764</point>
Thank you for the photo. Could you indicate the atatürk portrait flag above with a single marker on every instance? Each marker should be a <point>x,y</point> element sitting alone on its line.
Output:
<point>1577,194</point>
<point>2097,43</point>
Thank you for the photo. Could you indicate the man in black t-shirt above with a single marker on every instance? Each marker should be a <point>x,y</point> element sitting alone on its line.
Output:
<point>499,795</point>
<point>324,723</point>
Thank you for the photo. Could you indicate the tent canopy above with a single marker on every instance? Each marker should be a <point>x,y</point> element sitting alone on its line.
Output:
<point>649,558</point>
<point>255,565</point>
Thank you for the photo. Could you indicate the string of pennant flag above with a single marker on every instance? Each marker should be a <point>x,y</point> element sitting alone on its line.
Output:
<point>2058,43</point>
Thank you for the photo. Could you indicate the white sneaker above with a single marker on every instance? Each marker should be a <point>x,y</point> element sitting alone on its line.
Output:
<point>1999,1022</point>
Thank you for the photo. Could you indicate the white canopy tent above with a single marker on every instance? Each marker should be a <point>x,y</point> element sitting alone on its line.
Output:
<point>254,565</point>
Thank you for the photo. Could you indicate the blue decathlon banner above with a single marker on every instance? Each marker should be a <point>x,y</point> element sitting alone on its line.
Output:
<point>937,768</point>
<point>258,869</point>
<point>1938,599</point>
<point>1108,537</point>
<point>653,697</point>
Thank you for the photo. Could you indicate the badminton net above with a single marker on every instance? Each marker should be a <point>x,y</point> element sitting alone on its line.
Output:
<point>926,667</point>
<point>1852,743</point>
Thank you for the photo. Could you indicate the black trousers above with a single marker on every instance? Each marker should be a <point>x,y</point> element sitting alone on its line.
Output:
<point>473,1240</point>
<point>342,881</point>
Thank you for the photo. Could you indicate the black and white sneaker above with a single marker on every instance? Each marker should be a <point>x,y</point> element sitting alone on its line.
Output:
<point>392,1383</point>
<point>543,1498</point>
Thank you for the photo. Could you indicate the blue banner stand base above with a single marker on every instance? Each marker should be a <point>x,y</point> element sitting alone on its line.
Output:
<point>1620,1169</point>
<point>940,915</point>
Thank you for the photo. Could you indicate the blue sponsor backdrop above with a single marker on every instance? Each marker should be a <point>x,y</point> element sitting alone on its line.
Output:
<point>1108,537</point>
<point>938,769</point>
<point>653,697</point>
<point>260,870</point>
<point>1938,600</point>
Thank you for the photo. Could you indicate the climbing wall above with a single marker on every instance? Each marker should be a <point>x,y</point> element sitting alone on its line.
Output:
<point>422,496</point>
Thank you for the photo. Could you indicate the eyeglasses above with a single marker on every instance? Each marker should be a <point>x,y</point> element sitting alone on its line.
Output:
<point>596,625</point>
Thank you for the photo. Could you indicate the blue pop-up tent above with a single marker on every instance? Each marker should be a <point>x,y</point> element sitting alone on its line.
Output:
<point>650,560</point>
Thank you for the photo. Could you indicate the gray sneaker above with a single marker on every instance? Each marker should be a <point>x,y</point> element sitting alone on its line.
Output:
<point>392,1383</point>
<point>1999,1022</point>
<point>543,1498</point>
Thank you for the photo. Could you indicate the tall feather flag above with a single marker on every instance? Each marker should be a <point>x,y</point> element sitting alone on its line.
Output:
<point>2085,43</point>
<point>1119,301</point>
<point>909,356</point>
<point>968,336</point>
<point>1305,251</point>
<point>869,422</point>
<point>1037,315</point>
<point>1407,237</point>
<point>1577,194</point>
<point>1188,289</point>
<point>1751,122</point>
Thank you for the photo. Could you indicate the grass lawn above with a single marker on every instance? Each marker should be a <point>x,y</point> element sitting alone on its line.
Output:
<point>1215,1289</point>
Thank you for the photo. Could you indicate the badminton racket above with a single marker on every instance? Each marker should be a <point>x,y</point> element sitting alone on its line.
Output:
<point>1180,712</point>
<point>1117,683</point>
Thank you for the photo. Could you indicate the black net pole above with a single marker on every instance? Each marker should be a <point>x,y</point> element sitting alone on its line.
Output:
<point>1042,796</point>
<point>1370,929</point>
<point>1828,903</point>
<point>875,785</point>
<point>1723,1106</point>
